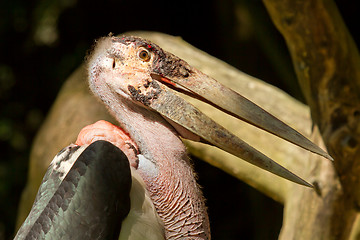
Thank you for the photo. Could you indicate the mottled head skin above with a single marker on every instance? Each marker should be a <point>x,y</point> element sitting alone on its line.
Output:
<point>162,63</point>
<point>121,55</point>
<point>122,73</point>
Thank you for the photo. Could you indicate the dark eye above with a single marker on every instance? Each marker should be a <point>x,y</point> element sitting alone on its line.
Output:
<point>114,63</point>
<point>144,55</point>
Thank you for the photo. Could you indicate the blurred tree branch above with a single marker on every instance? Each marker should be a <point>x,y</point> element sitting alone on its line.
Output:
<point>327,62</point>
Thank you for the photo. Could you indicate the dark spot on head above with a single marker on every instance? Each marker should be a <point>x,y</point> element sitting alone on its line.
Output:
<point>184,72</point>
<point>114,64</point>
<point>136,95</point>
<point>145,98</point>
<point>171,66</point>
<point>147,84</point>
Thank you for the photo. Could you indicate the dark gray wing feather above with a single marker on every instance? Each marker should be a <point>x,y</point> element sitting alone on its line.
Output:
<point>84,195</point>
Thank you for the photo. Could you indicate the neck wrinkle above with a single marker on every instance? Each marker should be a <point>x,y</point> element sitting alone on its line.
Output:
<point>173,190</point>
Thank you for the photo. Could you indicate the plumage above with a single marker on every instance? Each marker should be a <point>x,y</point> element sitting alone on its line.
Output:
<point>76,185</point>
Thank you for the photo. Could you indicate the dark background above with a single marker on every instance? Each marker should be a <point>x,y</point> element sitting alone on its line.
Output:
<point>42,42</point>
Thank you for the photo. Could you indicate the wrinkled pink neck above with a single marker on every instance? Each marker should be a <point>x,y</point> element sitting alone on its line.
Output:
<point>168,176</point>
<point>173,188</point>
<point>178,199</point>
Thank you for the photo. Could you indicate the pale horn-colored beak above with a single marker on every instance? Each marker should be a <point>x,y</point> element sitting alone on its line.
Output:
<point>203,87</point>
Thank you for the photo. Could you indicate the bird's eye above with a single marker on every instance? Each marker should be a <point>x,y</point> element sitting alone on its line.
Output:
<point>144,55</point>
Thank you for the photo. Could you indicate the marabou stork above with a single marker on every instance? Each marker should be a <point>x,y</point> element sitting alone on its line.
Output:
<point>146,190</point>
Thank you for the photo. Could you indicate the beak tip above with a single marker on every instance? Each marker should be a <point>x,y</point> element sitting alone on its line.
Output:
<point>306,184</point>
<point>299,180</point>
<point>329,157</point>
<point>325,155</point>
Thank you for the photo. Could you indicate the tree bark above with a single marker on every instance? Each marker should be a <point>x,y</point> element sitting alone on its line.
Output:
<point>327,62</point>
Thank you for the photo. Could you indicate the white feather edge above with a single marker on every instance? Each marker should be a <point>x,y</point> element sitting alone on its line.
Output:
<point>142,222</point>
<point>59,165</point>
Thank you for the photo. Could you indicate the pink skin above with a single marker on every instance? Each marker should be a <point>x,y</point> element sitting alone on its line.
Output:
<point>103,130</point>
<point>163,163</point>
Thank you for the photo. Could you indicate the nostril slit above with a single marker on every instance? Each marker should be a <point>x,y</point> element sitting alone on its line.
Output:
<point>113,64</point>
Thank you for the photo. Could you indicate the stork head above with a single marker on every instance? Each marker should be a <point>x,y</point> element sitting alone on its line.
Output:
<point>135,70</point>
<point>124,65</point>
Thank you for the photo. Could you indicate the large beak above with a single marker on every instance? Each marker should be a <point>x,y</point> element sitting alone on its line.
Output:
<point>205,88</point>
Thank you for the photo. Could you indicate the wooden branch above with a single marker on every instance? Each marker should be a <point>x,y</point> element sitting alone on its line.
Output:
<point>75,108</point>
<point>327,63</point>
